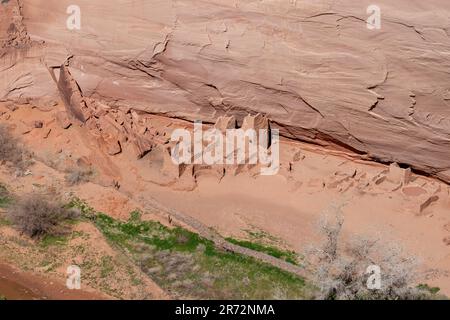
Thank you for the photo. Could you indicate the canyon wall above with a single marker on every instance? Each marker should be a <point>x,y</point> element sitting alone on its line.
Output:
<point>313,67</point>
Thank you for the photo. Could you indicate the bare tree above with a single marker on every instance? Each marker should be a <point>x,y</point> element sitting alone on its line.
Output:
<point>12,152</point>
<point>78,175</point>
<point>38,215</point>
<point>340,269</point>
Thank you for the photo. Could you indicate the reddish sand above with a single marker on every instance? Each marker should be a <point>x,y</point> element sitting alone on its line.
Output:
<point>17,285</point>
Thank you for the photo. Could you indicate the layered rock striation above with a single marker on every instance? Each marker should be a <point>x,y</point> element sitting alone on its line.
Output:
<point>312,67</point>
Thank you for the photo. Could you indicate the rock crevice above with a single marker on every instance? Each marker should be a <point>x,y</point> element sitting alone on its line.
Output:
<point>312,68</point>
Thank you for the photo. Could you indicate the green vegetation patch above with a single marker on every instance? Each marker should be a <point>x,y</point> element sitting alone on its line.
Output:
<point>4,221</point>
<point>53,240</point>
<point>426,287</point>
<point>5,197</point>
<point>187,265</point>
<point>107,266</point>
<point>288,256</point>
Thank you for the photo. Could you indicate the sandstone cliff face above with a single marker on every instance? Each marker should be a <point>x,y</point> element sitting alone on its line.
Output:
<point>312,67</point>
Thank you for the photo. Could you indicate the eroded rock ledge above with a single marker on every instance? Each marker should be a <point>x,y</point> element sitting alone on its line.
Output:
<point>313,68</point>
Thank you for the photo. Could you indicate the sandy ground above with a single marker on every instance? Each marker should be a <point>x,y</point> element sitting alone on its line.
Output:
<point>19,285</point>
<point>239,204</point>
<point>286,206</point>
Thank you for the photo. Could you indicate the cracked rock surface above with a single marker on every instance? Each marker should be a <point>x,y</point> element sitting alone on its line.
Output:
<point>313,67</point>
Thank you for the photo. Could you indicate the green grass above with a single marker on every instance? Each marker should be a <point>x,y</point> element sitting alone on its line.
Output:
<point>5,198</point>
<point>426,287</point>
<point>49,240</point>
<point>187,265</point>
<point>260,235</point>
<point>5,201</point>
<point>135,215</point>
<point>4,221</point>
<point>289,256</point>
<point>106,266</point>
<point>87,212</point>
<point>52,240</point>
<point>150,232</point>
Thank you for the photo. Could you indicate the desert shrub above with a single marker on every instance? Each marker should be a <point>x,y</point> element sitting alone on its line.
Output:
<point>135,216</point>
<point>432,290</point>
<point>77,175</point>
<point>4,196</point>
<point>11,151</point>
<point>40,215</point>
<point>340,268</point>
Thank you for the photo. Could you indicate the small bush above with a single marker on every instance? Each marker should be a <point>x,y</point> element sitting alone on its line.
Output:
<point>432,290</point>
<point>135,216</point>
<point>4,196</point>
<point>11,151</point>
<point>39,215</point>
<point>78,175</point>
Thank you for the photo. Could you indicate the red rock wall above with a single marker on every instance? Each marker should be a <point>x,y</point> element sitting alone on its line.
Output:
<point>313,67</point>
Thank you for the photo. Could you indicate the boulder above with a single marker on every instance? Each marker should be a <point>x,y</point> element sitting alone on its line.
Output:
<point>112,146</point>
<point>63,120</point>
<point>446,241</point>
<point>38,124</point>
